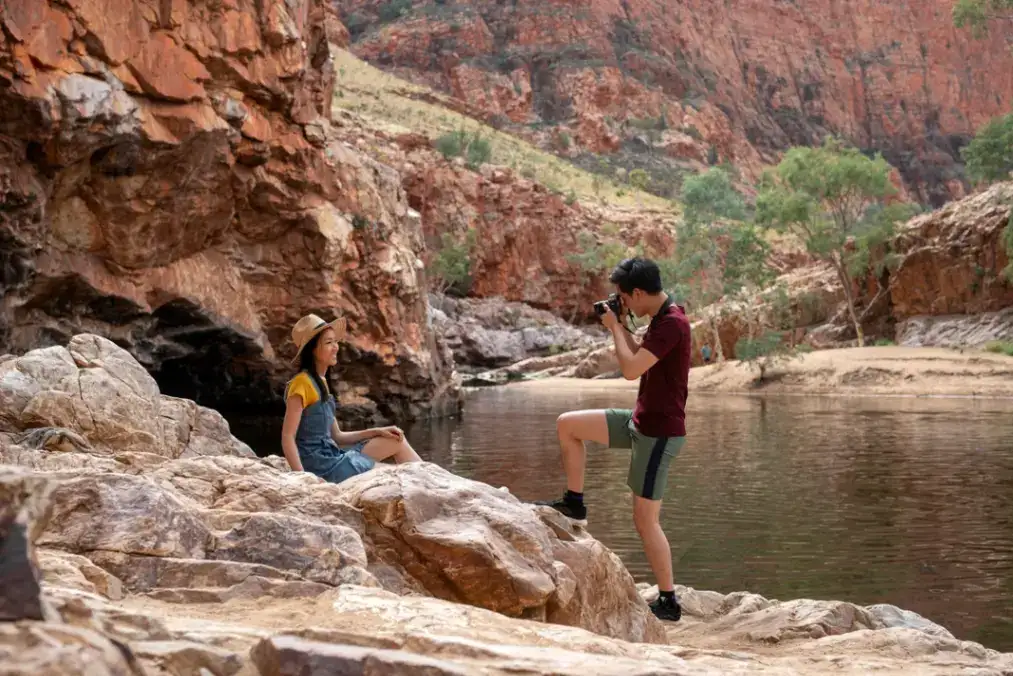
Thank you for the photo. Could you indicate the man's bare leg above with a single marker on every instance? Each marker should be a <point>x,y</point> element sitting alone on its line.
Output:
<point>647,517</point>
<point>573,429</point>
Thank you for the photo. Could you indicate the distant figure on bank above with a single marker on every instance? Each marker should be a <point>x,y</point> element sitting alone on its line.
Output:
<point>310,436</point>
<point>655,429</point>
<point>705,351</point>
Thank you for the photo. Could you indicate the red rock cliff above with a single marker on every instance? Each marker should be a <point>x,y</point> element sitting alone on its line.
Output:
<point>948,276</point>
<point>169,179</point>
<point>670,86</point>
<point>525,233</point>
<point>953,259</point>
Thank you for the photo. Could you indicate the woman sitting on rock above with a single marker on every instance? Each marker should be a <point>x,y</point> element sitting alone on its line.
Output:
<point>310,436</point>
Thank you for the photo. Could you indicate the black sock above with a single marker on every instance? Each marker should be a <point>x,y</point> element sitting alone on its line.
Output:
<point>668,596</point>
<point>574,497</point>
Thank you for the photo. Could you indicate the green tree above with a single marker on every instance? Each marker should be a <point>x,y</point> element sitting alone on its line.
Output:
<point>639,179</point>
<point>718,255</point>
<point>763,352</point>
<point>989,156</point>
<point>451,263</point>
<point>693,275</point>
<point>747,272</point>
<point>834,199</point>
<point>479,151</point>
<point>476,149</point>
<point>1008,240</point>
<point>709,196</point>
<point>452,144</point>
<point>976,14</point>
<point>597,258</point>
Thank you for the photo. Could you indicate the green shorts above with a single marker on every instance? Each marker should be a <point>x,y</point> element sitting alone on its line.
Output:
<point>651,455</point>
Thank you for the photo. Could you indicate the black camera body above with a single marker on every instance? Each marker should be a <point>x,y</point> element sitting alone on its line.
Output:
<point>611,303</point>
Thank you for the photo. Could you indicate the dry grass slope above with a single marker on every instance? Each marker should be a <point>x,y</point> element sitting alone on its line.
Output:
<point>394,105</point>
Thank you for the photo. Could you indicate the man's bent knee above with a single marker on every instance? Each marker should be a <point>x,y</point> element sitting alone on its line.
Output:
<point>588,425</point>
<point>564,424</point>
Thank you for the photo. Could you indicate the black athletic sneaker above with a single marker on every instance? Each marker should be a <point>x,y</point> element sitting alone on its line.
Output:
<point>669,611</point>
<point>574,510</point>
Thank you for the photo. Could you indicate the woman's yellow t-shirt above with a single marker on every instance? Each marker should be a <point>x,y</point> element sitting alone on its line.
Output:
<point>302,386</point>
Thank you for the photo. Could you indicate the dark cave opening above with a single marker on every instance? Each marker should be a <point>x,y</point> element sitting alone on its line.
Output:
<point>192,356</point>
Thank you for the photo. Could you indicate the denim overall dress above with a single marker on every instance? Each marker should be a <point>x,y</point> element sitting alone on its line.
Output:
<point>319,453</point>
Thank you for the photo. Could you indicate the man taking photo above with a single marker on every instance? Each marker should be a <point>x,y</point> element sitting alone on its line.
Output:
<point>655,429</point>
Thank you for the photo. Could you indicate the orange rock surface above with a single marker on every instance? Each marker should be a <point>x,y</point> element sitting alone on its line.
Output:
<point>525,234</point>
<point>746,78</point>
<point>169,179</point>
<point>953,258</point>
<point>949,268</point>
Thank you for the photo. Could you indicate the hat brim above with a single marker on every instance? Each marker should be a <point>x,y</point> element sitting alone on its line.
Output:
<point>340,326</point>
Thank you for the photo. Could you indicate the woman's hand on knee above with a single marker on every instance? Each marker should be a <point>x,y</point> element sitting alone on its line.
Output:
<point>390,432</point>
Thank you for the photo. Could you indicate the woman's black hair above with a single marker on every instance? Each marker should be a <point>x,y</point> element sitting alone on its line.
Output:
<point>308,363</point>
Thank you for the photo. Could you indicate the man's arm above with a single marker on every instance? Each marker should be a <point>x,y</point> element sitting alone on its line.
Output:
<point>631,340</point>
<point>634,360</point>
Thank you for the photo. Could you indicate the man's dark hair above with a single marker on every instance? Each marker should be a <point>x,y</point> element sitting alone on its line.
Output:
<point>637,273</point>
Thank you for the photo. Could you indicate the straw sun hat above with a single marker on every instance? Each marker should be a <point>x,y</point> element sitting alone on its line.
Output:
<point>311,325</point>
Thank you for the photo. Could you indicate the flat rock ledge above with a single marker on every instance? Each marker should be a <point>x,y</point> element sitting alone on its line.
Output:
<point>137,536</point>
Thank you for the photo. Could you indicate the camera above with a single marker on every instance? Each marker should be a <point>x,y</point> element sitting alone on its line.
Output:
<point>611,303</point>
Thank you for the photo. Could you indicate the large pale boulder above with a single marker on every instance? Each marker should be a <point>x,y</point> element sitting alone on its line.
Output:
<point>414,528</point>
<point>100,393</point>
<point>186,513</point>
<point>471,543</point>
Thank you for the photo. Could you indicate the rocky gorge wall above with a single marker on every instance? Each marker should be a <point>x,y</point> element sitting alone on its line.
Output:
<point>946,288</point>
<point>674,86</point>
<point>169,179</point>
<point>525,234</point>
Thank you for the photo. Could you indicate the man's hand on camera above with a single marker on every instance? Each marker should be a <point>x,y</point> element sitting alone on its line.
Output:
<point>609,319</point>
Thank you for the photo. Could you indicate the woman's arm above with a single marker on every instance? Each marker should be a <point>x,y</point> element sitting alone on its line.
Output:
<point>348,438</point>
<point>293,413</point>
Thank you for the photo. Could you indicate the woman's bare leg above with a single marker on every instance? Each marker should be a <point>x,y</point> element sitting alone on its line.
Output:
<point>381,448</point>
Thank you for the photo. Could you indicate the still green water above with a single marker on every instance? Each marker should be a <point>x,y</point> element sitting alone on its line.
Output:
<point>885,500</point>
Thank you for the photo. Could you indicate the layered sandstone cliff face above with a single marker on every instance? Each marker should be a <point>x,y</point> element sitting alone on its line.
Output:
<point>525,234</point>
<point>169,179</point>
<point>130,551</point>
<point>673,86</point>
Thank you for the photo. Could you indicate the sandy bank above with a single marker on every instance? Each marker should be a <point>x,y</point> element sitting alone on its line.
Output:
<point>907,371</point>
